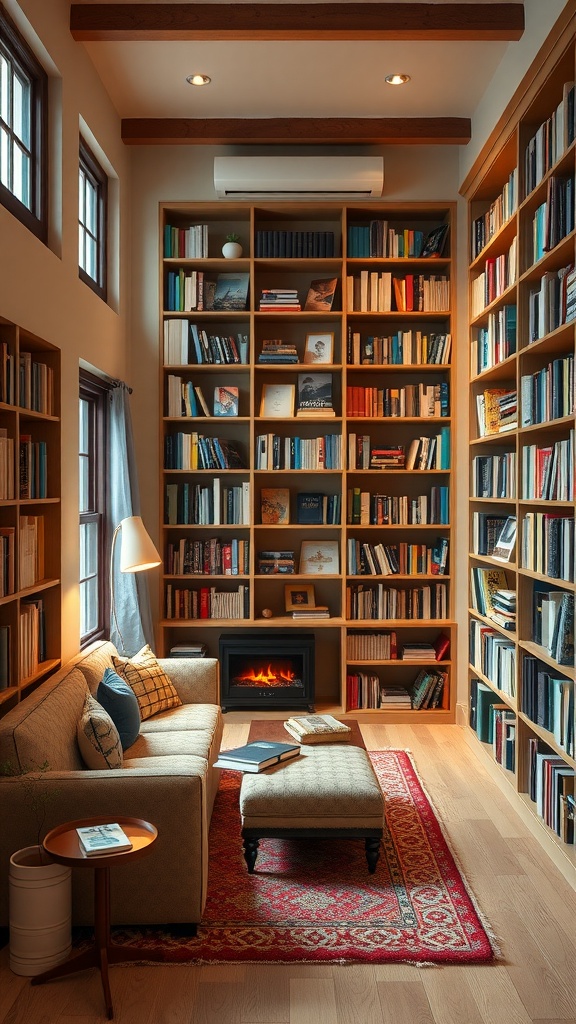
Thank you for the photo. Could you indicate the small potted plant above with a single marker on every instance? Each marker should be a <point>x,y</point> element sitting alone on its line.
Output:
<point>232,249</point>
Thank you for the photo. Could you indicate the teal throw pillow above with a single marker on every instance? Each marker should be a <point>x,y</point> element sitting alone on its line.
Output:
<point>119,700</point>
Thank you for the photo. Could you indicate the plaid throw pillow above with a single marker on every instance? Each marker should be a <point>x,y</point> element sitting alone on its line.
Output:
<point>152,687</point>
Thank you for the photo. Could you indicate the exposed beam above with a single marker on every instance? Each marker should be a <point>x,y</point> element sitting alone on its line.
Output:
<point>124,21</point>
<point>398,131</point>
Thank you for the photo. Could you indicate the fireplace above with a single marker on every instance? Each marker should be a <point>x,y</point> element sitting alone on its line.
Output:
<point>267,671</point>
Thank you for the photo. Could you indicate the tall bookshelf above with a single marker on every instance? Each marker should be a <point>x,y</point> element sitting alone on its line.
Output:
<point>378,353</point>
<point>522,340</point>
<point>30,592</point>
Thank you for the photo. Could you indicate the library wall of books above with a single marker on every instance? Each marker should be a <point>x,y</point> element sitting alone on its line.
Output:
<point>306,441</point>
<point>30,596</point>
<point>522,450</point>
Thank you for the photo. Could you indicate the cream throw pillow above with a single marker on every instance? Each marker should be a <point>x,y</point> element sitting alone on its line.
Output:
<point>98,737</point>
<point>152,687</point>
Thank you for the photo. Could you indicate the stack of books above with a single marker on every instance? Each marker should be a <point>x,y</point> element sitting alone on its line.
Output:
<point>318,729</point>
<point>504,608</point>
<point>319,611</point>
<point>284,299</point>
<point>418,652</point>
<point>96,840</point>
<point>276,563</point>
<point>394,697</point>
<point>278,351</point>
<point>255,757</point>
<point>190,650</point>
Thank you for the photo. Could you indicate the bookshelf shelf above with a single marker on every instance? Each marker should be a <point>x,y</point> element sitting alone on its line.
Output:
<point>271,441</point>
<point>536,719</point>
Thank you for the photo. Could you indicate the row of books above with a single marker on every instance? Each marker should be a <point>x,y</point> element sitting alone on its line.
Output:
<point>430,690</point>
<point>276,452</point>
<point>7,375</point>
<point>197,451</point>
<point>194,291</point>
<point>494,656</point>
<point>405,510</point>
<point>6,466</point>
<point>5,634</point>
<point>366,690</point>
<point>413,400</point>
<point>548,394</point>
<point>494,476</point>
<point>405,348</point>
<point>425,452</point>
<point>372,646</point>
<point>189,242</point>
<point>7,560</point>
<point>283,244</point>
<point>311,507</point>
<point>547,544</point>
<point>207,603</point>
<point>186,399</point>
<point>372,291</point>
<point>403,559</point>
<point>499,274</point>
<point>553,623</point>
<point>495,341</point>
<point>186,343</point>
<point>30,551</point>
<point>211,557</point>
<point>550,140</point>
<point>211,504</point>
<point>33,468</point>
<point>552,302</point>
<point>551,787</point>
<point>497,410</point>
<point>493,535</point>
<point>548,701</point>
<point>32,637</point>
<point>499,211</point>
<point>548,470</point>
<point>36,385</point>
<point>380,240</point>
<point>553,219</point>
<point>384,602</point>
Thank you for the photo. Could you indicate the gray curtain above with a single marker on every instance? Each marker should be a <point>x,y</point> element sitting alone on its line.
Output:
<point>132,599</point>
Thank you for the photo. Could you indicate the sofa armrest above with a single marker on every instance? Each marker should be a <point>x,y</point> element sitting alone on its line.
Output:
<point>196,680</point>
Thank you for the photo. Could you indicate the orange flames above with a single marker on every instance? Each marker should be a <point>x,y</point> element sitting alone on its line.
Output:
<point>269,677</point>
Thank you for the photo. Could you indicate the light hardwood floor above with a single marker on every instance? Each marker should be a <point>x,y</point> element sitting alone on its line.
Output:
<point>529,904</point>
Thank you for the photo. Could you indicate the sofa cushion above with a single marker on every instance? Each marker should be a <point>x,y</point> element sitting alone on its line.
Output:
<point>98,737</point>
<point>168,744</point>
<point>119,700</point>
<point>152,687</point>
<point>189,716</point>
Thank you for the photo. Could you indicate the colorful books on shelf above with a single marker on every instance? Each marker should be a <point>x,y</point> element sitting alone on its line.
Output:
<point>276,563</point>
<point>429,690</point>
<point>256,756</point>
<point>318,729</point>
<point>278,351</point>
<point>548,700</point>
<point>99,840</point>
<point>497,411</point>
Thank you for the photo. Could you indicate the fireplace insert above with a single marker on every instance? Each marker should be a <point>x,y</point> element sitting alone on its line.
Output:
<point>267,671</point>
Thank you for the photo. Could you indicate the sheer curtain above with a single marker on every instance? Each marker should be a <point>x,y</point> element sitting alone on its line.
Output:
<point>132,599</point>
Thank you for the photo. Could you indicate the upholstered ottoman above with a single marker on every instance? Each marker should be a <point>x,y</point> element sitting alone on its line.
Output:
<point>330,790</point>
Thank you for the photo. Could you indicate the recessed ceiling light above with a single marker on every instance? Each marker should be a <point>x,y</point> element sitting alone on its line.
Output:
<point>198,80</point>
<point>397,79</point>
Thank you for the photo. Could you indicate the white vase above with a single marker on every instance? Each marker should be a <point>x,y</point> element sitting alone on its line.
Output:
<point>40,901</point>
<point>232,250</point>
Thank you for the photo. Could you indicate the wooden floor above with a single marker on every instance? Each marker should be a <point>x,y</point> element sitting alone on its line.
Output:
<point>529,904</point>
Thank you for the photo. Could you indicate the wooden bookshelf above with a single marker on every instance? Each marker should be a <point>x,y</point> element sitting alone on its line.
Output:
<point>30,601</point>
<point>523,341</point>
<point>289,246</point>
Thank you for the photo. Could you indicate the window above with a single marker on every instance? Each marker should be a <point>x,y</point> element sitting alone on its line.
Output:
<point>92,218</point>
<point>23,114</point>
<point>94,597</point>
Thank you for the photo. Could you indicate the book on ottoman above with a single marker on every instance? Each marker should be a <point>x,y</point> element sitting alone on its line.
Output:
<point>318,729</point>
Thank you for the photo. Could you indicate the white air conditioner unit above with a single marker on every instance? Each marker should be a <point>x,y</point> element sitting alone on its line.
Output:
<point>298,177</point>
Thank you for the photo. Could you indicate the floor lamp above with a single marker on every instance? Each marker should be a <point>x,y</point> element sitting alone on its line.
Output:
<point>137,553</point>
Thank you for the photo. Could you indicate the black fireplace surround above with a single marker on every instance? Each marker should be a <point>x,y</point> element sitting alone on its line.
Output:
<point>267,671</point>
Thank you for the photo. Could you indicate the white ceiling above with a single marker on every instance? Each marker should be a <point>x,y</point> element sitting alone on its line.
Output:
<point>261,79</point>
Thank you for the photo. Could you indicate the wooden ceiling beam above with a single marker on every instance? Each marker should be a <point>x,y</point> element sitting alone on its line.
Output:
<point>396,131</point>
<point>341,21</point>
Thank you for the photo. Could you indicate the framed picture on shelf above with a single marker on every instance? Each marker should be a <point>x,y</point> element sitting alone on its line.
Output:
<point>226,401</point>
<point>321,295</point>
<point>277,401</point>
<point>299,596</point>
<point>314,391</point>
<point>320,558</point>
<point>319,348</point>
<point>231,291</point>
<point>433,244</point>
<point>506,541</point>
<point>275,505</point>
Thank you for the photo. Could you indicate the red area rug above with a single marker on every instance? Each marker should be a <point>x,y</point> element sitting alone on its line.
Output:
<point>313,901</point>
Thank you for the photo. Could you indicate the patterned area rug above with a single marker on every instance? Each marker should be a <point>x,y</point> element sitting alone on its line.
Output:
<point>313,901</point>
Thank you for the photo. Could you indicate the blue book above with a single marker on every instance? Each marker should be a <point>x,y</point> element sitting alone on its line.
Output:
<point>254,757</point>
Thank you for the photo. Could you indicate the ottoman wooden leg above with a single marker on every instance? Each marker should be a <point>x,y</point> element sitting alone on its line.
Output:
<point>372,853</point>
<point>250,852</point>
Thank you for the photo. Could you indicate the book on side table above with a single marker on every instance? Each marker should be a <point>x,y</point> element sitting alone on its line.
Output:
<point>318,729</point>
<point>97,839</point>
<point>255,757</point>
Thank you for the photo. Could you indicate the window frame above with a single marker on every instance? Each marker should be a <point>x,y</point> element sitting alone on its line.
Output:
<point>96,391</point>
<point>95,173</point>
<point>18,53</point>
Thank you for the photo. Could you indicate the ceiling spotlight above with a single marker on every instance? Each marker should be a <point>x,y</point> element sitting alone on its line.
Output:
<point>397,79</point>
<point>198,80</point>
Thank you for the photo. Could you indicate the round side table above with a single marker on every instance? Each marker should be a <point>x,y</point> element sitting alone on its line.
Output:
<point>63,845</point>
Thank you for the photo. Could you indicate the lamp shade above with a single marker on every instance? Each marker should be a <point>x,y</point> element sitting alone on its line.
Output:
<point>137,551</point>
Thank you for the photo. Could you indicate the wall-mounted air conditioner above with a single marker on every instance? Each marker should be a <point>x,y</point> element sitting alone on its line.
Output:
<point>298,177</point>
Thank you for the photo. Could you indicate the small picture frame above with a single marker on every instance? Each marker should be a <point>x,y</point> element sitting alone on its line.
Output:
<point>319,558</point>
<point>299,595</point>
<point>277,401</point>
<point>433,244</point>
<point>321,295</point>
<point>226,400</point>
<point>319,348</point>
<point>231,291</point>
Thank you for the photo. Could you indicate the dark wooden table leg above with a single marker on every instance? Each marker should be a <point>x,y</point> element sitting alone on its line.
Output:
<point>250,853</point>
<point>102,930</point>
<point>372,853</point>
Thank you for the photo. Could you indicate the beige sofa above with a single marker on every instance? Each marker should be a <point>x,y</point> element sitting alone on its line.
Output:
<point>167,778</point>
